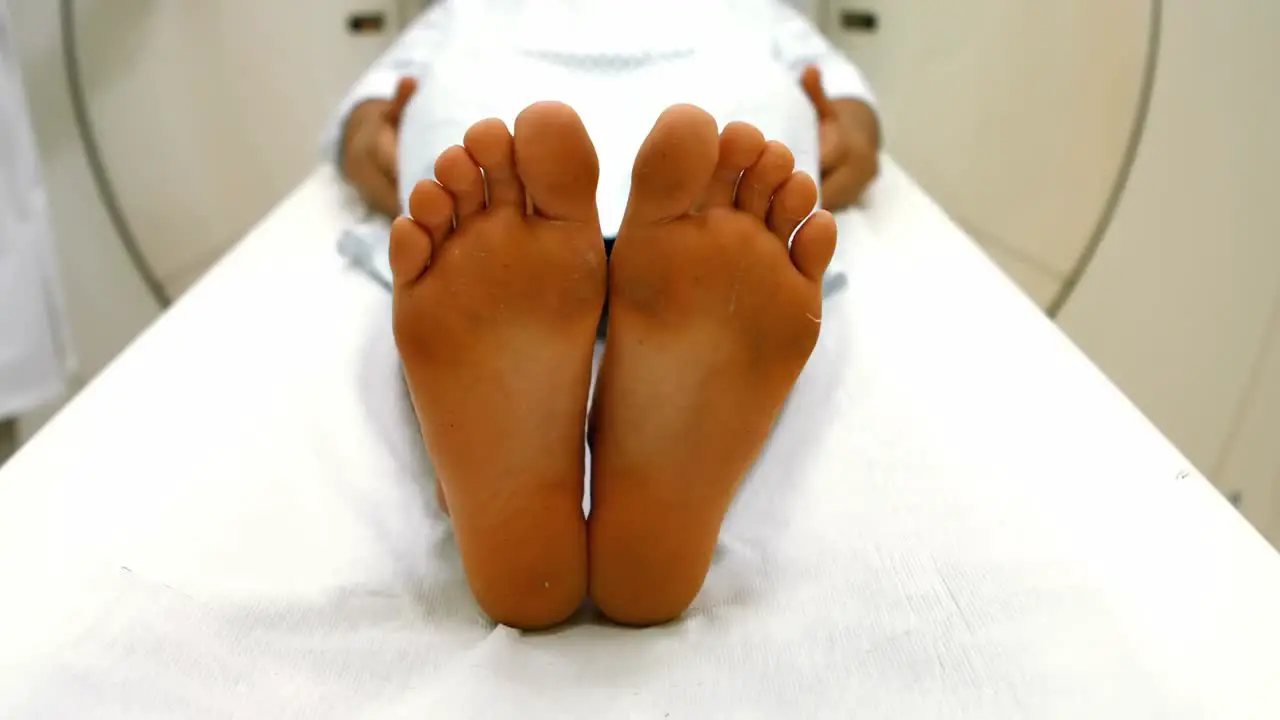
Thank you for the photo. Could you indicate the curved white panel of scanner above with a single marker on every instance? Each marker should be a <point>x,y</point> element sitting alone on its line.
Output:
<point>107,303</point>
<point>1181,305</point>
<point>1015,115</point>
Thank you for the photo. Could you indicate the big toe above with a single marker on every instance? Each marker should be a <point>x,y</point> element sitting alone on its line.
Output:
<point>557,162</point>
<point>674,165</point>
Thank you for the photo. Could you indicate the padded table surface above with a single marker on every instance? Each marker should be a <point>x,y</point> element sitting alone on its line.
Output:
<point>958,517</point>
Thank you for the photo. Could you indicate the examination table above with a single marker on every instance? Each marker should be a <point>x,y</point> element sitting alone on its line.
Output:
<point>958,517</point>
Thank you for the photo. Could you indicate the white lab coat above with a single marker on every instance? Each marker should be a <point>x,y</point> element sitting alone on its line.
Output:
<point>35,349</point>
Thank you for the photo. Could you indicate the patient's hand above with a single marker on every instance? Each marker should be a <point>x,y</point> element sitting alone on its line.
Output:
<point>369,149</point>
<point>849,138</point>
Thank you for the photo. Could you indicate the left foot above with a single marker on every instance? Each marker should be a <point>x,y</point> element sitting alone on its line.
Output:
<point>711,320</point>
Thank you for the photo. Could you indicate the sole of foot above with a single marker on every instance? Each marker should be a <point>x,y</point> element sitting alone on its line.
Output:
<point>499,280</point>
<point>715,295</point>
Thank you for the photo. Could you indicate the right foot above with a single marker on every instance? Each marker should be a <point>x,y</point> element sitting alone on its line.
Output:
<point>499,283</point>
<point>711,319</point>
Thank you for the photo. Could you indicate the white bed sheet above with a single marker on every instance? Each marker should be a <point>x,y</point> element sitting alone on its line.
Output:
<point>958,518</point>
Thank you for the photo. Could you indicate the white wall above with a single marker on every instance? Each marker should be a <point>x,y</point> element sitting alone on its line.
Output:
<point>1178,303</point>
<point>209,112</point>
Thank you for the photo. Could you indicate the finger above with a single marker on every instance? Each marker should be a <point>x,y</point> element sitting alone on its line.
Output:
<point>812,82</point>
<point>386,152</point>
<point>404,93</point>
<point>842,188</point>
<point>384,197</point>
<point>832,149</point>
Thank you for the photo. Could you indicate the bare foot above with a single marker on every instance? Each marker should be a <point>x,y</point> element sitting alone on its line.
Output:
<point>711,320</point>
<point>499,283</point>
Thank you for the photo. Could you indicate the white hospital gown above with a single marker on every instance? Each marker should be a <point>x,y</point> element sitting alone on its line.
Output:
<point>618,64</point>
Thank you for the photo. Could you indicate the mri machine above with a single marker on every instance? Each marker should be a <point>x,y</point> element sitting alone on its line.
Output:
<point>232,521</point>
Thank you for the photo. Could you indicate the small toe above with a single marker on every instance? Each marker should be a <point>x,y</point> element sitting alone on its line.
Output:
<point>674,165</point>
<point>490,144</point>
<point>410,251</point>
<point>814,245</point>
<point>441,500</point>
<point>791,204</point>
<point>760,181</point>
<point>557,162</point>
<point>460,175</point>
<point>740,147</point>
<point>431,206</point>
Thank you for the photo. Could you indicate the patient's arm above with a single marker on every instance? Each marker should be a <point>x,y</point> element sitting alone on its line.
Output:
<point>370,147</point>
<point>849,138</point>
<point>858,158</point>
<point>847,105</point>
<point>798,44</point>
<point>860,118</point>
<point>359,134</point>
